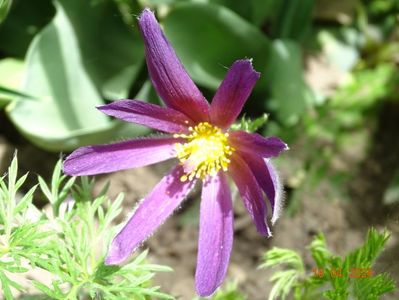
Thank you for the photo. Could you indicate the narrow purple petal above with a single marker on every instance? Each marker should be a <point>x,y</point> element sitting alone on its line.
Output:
<point>161,118</point>
<point>215,235</point>
<point>168,75</point>
<point>250,192</point>
<point>256,144</point>
<point>149,215</point>
<point>233,93</point>
<point>269,181</point>
<point>101,159</point>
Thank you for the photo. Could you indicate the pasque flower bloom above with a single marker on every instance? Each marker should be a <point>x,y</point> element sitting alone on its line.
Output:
<point>207,151</point>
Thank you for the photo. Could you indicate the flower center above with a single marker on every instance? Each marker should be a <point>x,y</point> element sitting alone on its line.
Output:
<point>206,151</point>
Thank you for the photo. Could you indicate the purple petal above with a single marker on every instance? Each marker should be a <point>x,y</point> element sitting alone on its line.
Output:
<point>256,144</point>
<point>250,193</point>
<point>101,159</point>
<point>168,75</point>
<point>269,181</point>
<point>147,114</point>
<point>233,93</point>
<point>149,215</point>
<point>215,235</point>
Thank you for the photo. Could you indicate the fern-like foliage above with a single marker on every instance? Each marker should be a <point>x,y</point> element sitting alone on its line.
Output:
<point>69,242</point>
<point>250,125</point>
<point>334,277</point>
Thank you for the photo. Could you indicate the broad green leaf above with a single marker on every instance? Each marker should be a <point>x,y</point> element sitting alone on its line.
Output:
<point>11,73</point>
<point>64,116</point>
<point>208,38</point>
<point>7,95</point>
<point>111,53</point>
<point>292,19</point>
<point>290,94</point>
<point>262,10</point>
<point>4,8</point>
<point>242,8</point>
<point>4,101</point>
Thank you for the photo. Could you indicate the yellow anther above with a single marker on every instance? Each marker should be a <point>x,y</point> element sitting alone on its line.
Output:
<point>205,152</point>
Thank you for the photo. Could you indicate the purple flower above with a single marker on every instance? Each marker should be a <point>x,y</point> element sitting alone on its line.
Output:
<point>206,149</point>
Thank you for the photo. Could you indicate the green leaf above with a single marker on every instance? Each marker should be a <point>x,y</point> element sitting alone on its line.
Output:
<point>262,10</point>
<point>25,201</point>
<point>292,19</point>
<point>242,8</point>
<point>65,116</point>
<point>112,54</point>
<point>220,40</point>
<point>290,93</point>
<point>277,256</point>
<point>374,286</point>
<point>368,253</point>
<point>5,286</point>
<point>8,94</point>
<point>11,73</point>
<point>284,283</point>
<point>4,8</point>
<point>45,289</point>
<point>320,253</point>
<point>45,190</point>
<point>251,125</point>
<point>334,274</point>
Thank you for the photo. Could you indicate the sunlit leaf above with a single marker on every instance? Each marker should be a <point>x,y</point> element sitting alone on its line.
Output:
<point>262,10</point>
<point>4,8</point>
<point>290,93</point>
<point>292,19</point>
<point>11,73</point>
<point>64,117</point>
<point>111,53</point>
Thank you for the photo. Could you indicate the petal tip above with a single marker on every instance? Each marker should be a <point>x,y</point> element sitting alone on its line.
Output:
<point>68,168</point>
<point>247,62</point>
<point>116,255</point>
<point>101,107</point>
<point>204,290</point>
<point>146,11</point>
<point>109,261</point>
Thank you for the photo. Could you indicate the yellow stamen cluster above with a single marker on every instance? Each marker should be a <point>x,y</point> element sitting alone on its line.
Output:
<point>206,151</point>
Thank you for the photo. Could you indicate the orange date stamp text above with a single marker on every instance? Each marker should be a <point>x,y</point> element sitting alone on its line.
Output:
<point>337,272</point>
